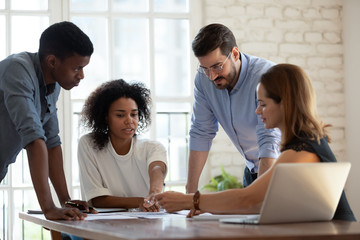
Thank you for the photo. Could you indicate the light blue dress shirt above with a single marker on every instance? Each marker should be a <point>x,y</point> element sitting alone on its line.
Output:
<point>235,111</point>
<point>27,112</point>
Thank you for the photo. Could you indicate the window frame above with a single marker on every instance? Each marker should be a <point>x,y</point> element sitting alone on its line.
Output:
<point>65,110</point>
<point>60,11</point>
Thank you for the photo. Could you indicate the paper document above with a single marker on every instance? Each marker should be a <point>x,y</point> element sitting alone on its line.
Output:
<point>183,212</point>
<point>107,216</point>
<point>119,214</point>
<point>150,214</point>
<point>216,217</point>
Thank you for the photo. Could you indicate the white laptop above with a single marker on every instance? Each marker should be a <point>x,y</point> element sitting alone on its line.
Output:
<point>300,192</point>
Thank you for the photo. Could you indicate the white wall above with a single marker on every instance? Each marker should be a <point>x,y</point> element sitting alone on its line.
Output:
<point>308,33</point>
<point>351,20</point>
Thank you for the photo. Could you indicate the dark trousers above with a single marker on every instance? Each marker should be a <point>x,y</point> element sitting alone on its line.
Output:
<point>66,236</point>
<point>248,177</point>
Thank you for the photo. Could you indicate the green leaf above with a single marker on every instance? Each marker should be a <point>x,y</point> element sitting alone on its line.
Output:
<point>223,185</point>
<point>236,185</point>
<point>223,182</point>
<point>224,174</point>
<point>214,181</point>
<point>210,187</point>
<point>219,178</point>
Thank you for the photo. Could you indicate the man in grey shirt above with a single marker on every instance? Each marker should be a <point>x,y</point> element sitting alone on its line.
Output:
<point>30,84</point>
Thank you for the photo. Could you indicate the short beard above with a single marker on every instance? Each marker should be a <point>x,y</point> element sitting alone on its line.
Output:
<point>229,84</point>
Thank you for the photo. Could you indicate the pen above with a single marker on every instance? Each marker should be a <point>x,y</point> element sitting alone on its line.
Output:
<point>78,206</point>
<point>163,188</point>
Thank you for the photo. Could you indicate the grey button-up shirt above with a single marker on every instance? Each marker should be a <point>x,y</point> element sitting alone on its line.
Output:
<point>27,107</point>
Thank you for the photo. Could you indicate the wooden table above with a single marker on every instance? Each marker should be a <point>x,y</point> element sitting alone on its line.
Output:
<point>182,228</point>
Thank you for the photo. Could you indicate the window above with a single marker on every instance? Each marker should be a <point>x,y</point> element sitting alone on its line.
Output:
<point>20,20</point>
<point>141,40</point>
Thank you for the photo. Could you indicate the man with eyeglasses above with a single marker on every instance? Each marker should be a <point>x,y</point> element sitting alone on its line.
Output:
<point>225,93</point>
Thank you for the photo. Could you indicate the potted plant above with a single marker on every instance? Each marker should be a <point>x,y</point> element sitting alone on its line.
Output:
<point>222,182</point>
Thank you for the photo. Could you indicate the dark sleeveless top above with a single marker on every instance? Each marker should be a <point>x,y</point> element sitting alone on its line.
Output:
<point>323,151</point>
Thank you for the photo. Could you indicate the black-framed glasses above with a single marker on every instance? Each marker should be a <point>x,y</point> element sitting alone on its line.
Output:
<point>215,69</point>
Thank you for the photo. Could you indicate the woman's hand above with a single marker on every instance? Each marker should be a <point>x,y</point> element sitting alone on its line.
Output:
<point>174,201</point>
<point>150,204</point>
<point>193,212</point>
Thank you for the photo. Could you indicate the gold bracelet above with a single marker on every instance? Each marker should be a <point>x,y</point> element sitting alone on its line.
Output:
<point>196,200</point>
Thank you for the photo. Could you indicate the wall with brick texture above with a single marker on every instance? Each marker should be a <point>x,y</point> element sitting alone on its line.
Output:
<point>307,33</point>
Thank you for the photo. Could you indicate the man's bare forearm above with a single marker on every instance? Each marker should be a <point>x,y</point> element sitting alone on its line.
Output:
<point>57,174</point>
<point>39,170</point>
<point>197,160</point>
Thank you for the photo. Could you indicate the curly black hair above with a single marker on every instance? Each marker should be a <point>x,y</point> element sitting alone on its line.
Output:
<point>97,105</point>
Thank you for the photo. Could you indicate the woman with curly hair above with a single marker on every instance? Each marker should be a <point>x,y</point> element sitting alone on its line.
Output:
<point>117,169</point>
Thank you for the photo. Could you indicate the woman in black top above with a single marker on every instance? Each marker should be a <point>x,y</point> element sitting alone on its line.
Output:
<point>302,131</point>
<point>286,101</point>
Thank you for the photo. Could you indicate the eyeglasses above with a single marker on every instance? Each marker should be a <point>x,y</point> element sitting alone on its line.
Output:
<point>215,69</point>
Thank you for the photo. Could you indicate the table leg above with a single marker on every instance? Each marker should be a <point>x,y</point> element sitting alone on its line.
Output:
<point>55,235</point>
